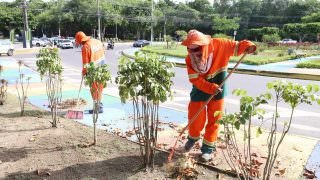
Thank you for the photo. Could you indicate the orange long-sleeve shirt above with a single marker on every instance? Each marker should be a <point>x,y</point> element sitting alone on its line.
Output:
<point>204,85</point>
<point>92,51</point>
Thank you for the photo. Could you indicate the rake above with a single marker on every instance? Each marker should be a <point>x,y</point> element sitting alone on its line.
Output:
<point>76,114</point>
<point>198,112</point>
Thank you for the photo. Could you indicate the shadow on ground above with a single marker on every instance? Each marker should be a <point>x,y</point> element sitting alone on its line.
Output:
<point>121,167</point>
<point>13,154</point>
<point>28,113</point>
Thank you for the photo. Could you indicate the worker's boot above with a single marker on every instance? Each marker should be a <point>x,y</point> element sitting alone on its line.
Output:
<point>207,151</point>
<point>189,144</point>
<point>100,109</point>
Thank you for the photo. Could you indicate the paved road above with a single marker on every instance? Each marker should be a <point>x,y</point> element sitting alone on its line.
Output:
<point>306,121</point>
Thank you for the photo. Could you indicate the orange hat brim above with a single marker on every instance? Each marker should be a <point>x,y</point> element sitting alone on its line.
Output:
<point>204,41</point>
<point>84,38</point>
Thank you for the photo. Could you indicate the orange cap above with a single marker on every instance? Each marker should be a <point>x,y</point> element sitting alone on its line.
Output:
<point>80,37</point>
<point>197,38</point>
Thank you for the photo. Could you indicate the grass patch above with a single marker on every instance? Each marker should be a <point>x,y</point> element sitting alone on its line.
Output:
<point>315,64</point>
<point>262,56</point>
<point>176,51</point>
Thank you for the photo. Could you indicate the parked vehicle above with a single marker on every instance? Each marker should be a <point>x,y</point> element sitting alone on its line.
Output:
<point>38,42</point>
<point>72,39</point>
<point>46,41</point>
<point>141,43</point>
<point>288,41</point>
<point>66,43</point>
<point>6,47</point>
<point>110,45</point>
<point>58,42</point>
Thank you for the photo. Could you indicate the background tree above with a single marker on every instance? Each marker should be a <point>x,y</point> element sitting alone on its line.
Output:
<point>224,25</point>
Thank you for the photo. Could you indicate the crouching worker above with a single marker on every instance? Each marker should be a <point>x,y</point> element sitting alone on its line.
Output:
<point>207,63</point>
<point>92,51</point>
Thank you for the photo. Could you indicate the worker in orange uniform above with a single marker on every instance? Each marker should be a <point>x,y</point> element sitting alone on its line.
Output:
<point>92,51</point>
<point>207,63</point>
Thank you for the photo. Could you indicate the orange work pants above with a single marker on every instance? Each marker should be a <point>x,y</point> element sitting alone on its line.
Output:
<point>96,91</point>
<point>211,131</point>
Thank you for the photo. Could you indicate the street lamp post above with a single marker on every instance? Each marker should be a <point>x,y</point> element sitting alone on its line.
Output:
<point>26,43</point>
<point>99,23</point>
<point>151,38</point>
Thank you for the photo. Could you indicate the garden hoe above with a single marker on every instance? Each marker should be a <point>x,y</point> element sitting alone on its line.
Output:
<point>76,113</point>
<point>198,112</point>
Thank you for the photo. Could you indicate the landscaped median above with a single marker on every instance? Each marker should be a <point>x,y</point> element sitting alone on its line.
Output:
<point>313,64</point>
<point>26,50</point>
<point>263,55</point>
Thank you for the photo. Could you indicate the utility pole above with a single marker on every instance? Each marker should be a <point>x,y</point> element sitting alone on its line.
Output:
<point>164,27</point>
<point>99,23</point>
<point>116,30</point>
<point>26,43</point>
<point>59,18</point>
<point>151,39</point>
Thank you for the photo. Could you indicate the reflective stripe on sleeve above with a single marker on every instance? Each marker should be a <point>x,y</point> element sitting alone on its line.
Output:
<point>193,76</point>
<point>210,76</point>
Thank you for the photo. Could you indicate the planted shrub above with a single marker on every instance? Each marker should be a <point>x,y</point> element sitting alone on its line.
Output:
<point>96,75</point>
<point>3,91</point>
<point>3,88</point>
<point>50,68</point>
<point>280,54</point>
<point>22,86</point>
<point>239,155</point>
<point>291,51</point>
<point>168,40</point>
<point>147,82</point>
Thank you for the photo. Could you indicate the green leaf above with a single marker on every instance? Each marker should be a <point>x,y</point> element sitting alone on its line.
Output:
<point>259,132</point>
<point>217,113</point>
<point>237,125</point>
<point>309,88</point>
<point>270,85</point>
<point>315,88</point>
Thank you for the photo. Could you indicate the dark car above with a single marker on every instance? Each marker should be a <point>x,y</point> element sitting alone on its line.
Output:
<point>140,43</point>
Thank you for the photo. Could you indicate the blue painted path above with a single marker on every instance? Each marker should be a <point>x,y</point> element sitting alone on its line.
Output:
<point>11,72</point>
<point>116,115</point>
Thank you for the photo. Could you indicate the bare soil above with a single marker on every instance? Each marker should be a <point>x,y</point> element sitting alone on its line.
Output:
<point>31,149</point>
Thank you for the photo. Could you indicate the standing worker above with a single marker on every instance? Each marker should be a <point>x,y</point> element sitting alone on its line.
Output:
<point>92,51</point>
<point>207,63</point>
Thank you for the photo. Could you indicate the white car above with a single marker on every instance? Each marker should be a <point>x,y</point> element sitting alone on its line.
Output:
<point>66,43</point>
<point>288,41</point>
<point>38,42</point>
<point>6,47</point>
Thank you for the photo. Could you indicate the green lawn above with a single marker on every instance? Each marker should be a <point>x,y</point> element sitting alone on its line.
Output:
<point>310,64</point>
<point>262,56</point>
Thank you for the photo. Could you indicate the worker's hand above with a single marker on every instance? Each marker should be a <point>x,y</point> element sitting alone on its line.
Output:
<point>219,90</point>
<point>251,49</point>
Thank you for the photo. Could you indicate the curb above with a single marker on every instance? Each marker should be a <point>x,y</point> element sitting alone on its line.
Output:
<point>313,162</point>
<point>313,77</point>
<point>26,50</point>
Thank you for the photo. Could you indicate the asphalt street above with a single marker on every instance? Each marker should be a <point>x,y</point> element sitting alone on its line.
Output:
<point>306,118</point>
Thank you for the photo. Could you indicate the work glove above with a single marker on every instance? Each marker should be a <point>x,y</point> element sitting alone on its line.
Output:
<point>251,49</point>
